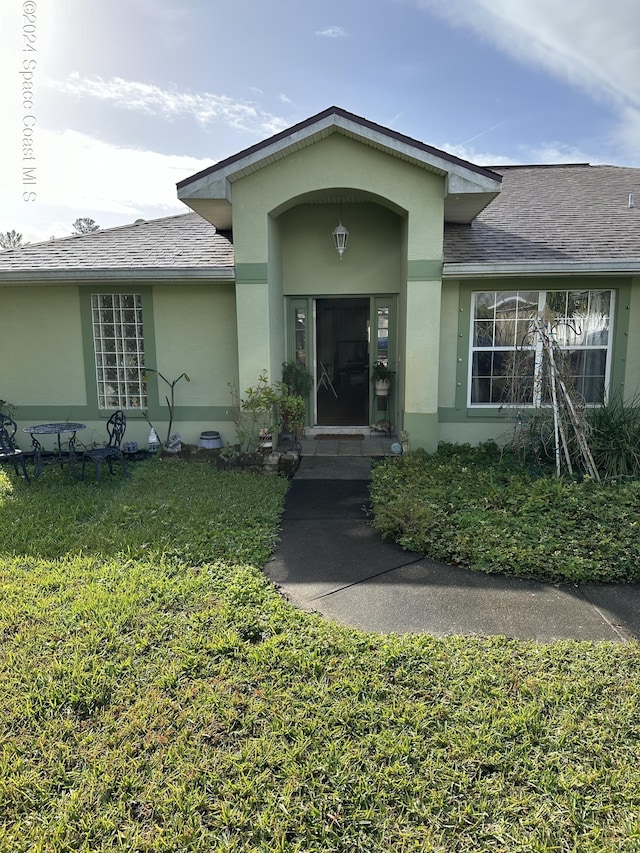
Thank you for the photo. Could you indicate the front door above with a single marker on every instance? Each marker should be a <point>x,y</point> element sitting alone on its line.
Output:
<point>338,339</point>
<point>342,361</point>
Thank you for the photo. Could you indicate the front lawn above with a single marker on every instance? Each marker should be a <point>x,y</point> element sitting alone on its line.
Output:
<point>475,507</point>
<point>157,694</point>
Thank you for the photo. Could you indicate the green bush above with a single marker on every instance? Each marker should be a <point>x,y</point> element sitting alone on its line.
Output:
<point>615,437</point>
<point>612,432</point>
<point>476,507</point>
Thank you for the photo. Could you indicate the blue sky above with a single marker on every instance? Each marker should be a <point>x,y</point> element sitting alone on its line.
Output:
<point>128,97</point>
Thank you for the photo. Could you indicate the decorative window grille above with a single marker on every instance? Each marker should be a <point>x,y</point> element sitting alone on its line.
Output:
<point>506,353</point>
<point>301,336</point>
<point>119,350</point>
<point>382,351</point>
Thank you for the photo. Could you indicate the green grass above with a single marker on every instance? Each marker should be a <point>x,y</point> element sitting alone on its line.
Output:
<point>474,507</point>
<point>157,694</point>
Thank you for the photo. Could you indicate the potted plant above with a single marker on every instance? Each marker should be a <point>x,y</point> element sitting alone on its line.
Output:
<point>297,378</point>
<point>295,387</point>
<point>254,414</point>
<point>292,413</point>
<point>381,377</point>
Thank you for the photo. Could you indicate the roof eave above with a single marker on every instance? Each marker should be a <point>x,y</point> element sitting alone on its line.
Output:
<point>540,268</point>
<point>41,277</point>
<point>323,123</point>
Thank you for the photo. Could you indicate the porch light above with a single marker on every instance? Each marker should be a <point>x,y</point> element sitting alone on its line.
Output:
<point>340,238</point>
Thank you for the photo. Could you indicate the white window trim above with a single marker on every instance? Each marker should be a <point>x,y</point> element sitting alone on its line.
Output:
<point>541,302</point>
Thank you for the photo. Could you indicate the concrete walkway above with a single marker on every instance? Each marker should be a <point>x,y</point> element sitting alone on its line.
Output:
<point>370,446</point>
<point>331,560</point>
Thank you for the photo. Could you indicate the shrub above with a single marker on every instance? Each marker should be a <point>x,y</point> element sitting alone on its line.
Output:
<point>479,508</point>
<point>615,437</point>
<point>297,379</point>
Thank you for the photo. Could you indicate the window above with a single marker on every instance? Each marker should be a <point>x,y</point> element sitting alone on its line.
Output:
<point>119,350</point>
<point>505,352</point>
<point>382,351</point>
<point>300,333</point>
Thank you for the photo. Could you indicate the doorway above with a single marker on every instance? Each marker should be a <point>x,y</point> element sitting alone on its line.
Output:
<point>342,361</point>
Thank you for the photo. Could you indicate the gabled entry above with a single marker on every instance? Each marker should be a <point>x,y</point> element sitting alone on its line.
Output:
<point>283,199</point>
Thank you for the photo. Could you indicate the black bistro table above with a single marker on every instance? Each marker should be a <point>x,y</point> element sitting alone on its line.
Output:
<point>58,429</point>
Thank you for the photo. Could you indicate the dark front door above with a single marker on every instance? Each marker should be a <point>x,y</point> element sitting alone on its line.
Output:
<point>342,361</point>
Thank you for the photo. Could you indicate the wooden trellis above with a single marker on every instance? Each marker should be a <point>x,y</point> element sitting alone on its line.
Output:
<point>567,412</point>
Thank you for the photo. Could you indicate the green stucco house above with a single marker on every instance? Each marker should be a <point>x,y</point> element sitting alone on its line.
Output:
<point>446,262</point>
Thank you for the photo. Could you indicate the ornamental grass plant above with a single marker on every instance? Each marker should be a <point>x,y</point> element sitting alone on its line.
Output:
<point>157,694</point>
<point>615,437</point>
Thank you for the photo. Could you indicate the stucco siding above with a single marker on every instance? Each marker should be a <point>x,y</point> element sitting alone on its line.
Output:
<point>632,339</point>
<point>195,332</point>
<point>338,162</point>
<point>476,432</point>
<point>41,339</point>
<point>371,264</point>
<point>51,375</point>
<point>448,360</point>
<point>423,342</point>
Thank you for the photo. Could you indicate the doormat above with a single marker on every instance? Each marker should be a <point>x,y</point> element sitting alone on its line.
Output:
<point>337,436</point>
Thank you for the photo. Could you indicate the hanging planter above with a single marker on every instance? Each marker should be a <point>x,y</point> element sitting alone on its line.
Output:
<point>381,377</point>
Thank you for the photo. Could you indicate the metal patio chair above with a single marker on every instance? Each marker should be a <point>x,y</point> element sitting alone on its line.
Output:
<point>8,449</point>
<point>116,426</point>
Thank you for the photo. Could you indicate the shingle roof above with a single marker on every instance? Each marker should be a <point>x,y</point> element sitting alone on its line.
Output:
<point>545,214</point>
<point>173,245</point>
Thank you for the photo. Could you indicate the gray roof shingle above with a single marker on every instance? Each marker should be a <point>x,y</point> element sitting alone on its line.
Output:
<point>185,242</point>
<point>546,214</point>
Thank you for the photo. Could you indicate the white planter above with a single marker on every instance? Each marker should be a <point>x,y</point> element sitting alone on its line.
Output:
<point>382,387</point>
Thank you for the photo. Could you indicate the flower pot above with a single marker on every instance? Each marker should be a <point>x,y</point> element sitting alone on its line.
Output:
<point>382,387</point>
<point>210,440</point>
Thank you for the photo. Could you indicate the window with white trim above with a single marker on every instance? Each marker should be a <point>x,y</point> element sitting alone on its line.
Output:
<point>505,352</point>
<point>118,342</point>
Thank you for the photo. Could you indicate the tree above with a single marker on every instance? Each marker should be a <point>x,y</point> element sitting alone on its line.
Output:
<point>85,225</point>
<point>10,240</point>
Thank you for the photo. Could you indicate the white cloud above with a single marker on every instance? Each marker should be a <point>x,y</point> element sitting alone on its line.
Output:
<point>89,177</point>
<point>80,169</point>
<point>333,32</point>
<point>626,134</point>
<point>549,152</point>
<point>588,43</point>
<point>480,158</point>
<point>284,98</point>
<point>557,152</point>
<point>206,108</point>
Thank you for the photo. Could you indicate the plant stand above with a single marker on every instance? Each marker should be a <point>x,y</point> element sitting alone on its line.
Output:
<point>288,440</point>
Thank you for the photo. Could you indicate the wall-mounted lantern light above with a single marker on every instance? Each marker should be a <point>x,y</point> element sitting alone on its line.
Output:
<point>340,238</point>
